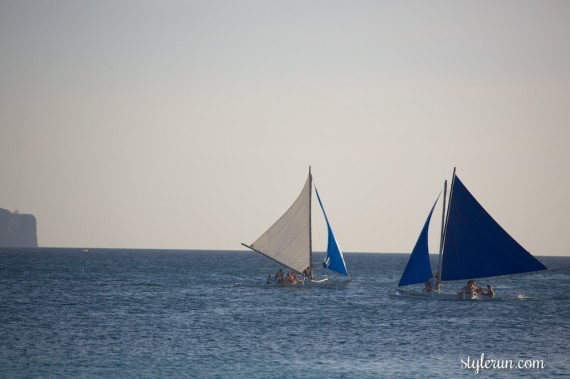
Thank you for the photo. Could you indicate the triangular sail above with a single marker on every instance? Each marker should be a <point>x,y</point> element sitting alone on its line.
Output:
<point>334,260</point>
<point>288,240</point>
<point>476,246</point>
<point>418,269</point>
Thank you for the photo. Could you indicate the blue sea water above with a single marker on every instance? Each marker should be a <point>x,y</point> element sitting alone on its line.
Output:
<point>69,313</point>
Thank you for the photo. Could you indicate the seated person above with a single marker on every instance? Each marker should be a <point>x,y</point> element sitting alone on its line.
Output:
<point>470,286</point>
<point>279,276</point>
<point>490,291</point>
<point>428,288</point>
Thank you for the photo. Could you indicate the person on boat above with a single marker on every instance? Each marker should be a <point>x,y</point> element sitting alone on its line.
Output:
<point>279,276</point>
<point>307,272</point>
<point>490,291</point>
<point>437,282</point>
<point>428,287</point>
<point>269,279</point>
<point>470,286</point>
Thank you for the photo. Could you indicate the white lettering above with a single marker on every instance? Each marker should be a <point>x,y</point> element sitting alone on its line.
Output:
<point>500,364</point>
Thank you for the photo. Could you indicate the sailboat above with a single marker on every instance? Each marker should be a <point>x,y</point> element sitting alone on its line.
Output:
<point>472,246</point>
<point>289,241</point>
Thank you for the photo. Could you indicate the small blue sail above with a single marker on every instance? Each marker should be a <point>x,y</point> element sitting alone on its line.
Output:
<point>418,269</point>
<point>476,246</point>
<point>334,260</point>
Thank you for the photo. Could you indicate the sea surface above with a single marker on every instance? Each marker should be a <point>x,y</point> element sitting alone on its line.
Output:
<point>104,313</point>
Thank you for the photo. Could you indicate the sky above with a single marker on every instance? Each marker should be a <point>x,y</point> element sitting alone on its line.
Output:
<point>192,124</point>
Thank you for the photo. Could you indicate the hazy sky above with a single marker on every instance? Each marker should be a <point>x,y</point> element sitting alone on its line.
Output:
<point>191,124</point>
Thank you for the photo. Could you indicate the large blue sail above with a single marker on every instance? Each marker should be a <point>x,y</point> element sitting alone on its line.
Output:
<point>418,269</point>
<point>476,246</point>
<point>334,260</point>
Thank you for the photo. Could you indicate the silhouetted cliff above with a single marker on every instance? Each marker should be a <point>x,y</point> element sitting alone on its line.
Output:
<point>17,230</point>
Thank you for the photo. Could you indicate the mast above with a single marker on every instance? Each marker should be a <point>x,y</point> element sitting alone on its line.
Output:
<point>310,225</point>
<point>446,220</point>
<point>438,272</point>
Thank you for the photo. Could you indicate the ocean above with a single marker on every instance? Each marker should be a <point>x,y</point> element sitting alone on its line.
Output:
<point>119,313</point>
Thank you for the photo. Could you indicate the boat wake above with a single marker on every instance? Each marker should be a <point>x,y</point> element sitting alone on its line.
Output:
<point>521,296</point>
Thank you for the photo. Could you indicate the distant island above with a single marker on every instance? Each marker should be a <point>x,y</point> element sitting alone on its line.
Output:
<point>17,230</point>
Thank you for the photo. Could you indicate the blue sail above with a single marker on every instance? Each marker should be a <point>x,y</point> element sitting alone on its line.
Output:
<point>418,269</point>
<point>334,260</point>
<point>476,246</point>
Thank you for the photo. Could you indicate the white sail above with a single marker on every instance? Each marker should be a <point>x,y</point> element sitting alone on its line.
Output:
<point>288,241</point>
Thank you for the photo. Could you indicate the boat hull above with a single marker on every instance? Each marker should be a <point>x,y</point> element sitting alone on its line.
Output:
<point>462,295</point>
<point>306,282</point>
<point>471,295</point>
